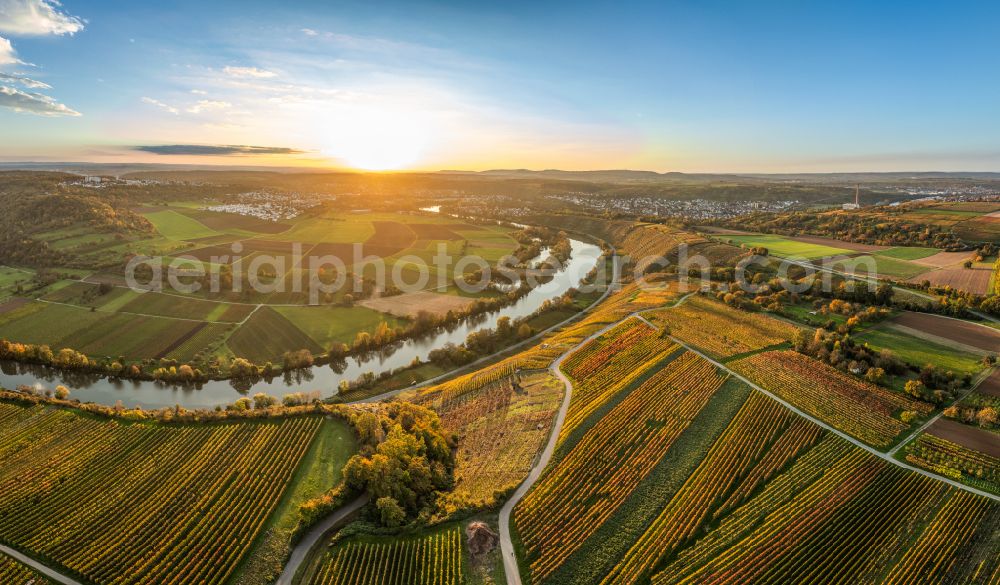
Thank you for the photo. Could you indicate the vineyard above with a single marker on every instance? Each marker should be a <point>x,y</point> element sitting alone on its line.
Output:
<point>501,428</point>
<point>840,515</point>
<point>860,409</point>
<point>760,440</point>
<point>117,502</point>
<point>601,470</point>
<point>720,330</point>
<point>955,461</point>
<point>14,573</point>
<point>609,364</point>
<point>435,559</point>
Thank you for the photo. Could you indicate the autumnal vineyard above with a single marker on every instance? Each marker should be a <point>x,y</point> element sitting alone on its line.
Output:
<point>434,559</point>
<point>860,409</point>
<point>14,573</point>
<point>720,330</point>
<point>609,364</point>
<point>841,515</point>
<point>760,440</point>
<point>585,487</point>
<point>120,503</point>
<point>501,429</point>
<point>955,461</point>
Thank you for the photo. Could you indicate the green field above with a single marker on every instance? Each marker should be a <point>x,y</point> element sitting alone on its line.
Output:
<point>886,266</point>
<point>321,468</point>
<point>176,226</point>
<point>781,246</point>
<point>267,335</point>
<point>328,324</point>
<point>920,352</point>
<point>908,253</point>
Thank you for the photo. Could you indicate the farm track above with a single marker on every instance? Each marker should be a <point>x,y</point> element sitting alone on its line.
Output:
<point>43,569</point>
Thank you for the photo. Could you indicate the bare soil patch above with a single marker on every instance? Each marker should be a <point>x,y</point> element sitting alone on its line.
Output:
<point>12,304</point>
<point>944,259</point>
<point>962,332</point>
<point>708,229</point>
<point>974,280</point>
<point>967,436</point>
<point>409,304</point>
<point>991,385</point>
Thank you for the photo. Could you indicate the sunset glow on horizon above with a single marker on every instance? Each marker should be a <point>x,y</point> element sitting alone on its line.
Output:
<point>430,86</point>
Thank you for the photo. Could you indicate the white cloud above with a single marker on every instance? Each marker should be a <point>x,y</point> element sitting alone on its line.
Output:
<point>32,103</point>
<point>310,32</point>
<point>25,81</point>
<point>37,17</point>
<point>159,104</point>
<point>7,55</point>
<point>199,92</point>
<point>249,72</point>
<point>207,105</point>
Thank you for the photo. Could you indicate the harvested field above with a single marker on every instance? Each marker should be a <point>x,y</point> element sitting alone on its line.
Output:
<point>346,251</point>
<point>967,436</point>
<point>974,280</point>
<point>962,332</point>
<point>218,254</point>
<point>409,304</point>
<point>392,235</point>
<point>991,385</point>
<point>12,304</point>
<point>854,247</point>
<point>233,221</point>
<point>944,259</point>
<point>710,229</point>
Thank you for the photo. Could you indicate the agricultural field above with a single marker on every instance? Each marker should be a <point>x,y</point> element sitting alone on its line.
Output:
<point>865,411</point>
<point>15,573</point>
<point>433,559</point>
<point>722,331</point>
<point>596,476</point>
<point>609,364</point>
<point>119,502</point>
<point>788,247</point>
<point>183,229</point>
<point>955,461</point>
<point>920,349</point>
<point>954,331</point>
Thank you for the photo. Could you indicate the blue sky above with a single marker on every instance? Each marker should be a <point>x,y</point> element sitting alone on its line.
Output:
<point>689,86</point>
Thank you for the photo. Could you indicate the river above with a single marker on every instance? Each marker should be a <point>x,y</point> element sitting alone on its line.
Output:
<point>148,394</point>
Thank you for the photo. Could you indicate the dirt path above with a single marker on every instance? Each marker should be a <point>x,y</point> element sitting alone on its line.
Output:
<point>312,538</point>
<point>44,570</point>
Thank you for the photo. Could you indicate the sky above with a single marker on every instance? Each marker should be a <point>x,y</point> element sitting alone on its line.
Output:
<point>707,86</point>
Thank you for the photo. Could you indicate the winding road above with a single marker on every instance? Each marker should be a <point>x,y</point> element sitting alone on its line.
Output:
<point>315,534</point>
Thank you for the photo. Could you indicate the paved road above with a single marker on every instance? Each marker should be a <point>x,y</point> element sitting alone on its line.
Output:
<point>312,538</point>
<point>39,567</point>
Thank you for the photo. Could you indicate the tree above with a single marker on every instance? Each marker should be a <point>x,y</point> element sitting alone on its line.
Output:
<point>915,388</point>
<point>987,417</point>
<point>389,511</point>
<point>262,401</point>
<point>875,375</point>
<point>524,331</point>
<point>62,392</point>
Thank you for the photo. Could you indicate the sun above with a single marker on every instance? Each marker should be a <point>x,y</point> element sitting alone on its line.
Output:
<point>376,139</point>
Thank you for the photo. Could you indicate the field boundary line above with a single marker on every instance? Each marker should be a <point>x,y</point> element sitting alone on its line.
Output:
<point>43,569</point>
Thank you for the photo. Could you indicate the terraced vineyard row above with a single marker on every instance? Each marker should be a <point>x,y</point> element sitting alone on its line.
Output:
<point>720,330</point>
<point>430,560</point>
<point>954,461</point>
<point>127,503</point>
<point>501,430</point>
<point>14,573</point>
<point>841,515</point>
<point>860,409</point>
<point>759,442</point>
<point>584,488</point>
<point>605,366</point>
